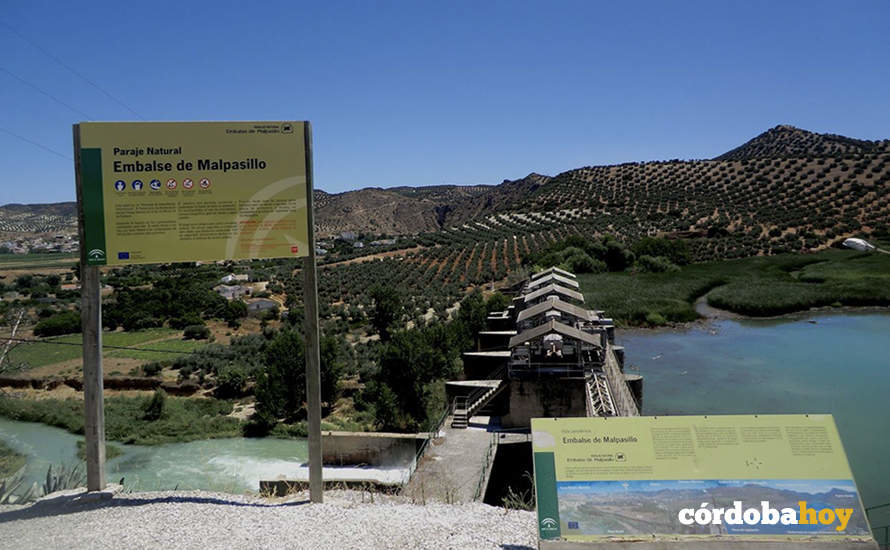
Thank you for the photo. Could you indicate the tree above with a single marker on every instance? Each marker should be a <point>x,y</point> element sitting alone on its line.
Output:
<point>196,332</point>
<point>386,311</point>
<point>230,381</point>
<point>618,258</point>
<point>677,251</point>
<point>234,311</point>
<point>154,408</point>
<point>281,385</point>
<point>333,364</point>
<point>497,302</point>
<point>66,322</point>
<point>471,319</point>
<point>13,320</point>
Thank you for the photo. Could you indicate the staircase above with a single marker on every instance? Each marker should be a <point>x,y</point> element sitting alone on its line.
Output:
<point>466,407</point>
<point>460,418</point>
<point>599,397</point>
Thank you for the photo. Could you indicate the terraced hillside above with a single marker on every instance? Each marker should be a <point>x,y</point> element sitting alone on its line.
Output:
<point>786,190</point>
<point>785,141</point>
<point>729,208</point>
<point>38,218</point>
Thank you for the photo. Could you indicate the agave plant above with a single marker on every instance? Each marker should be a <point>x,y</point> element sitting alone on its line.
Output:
<point>63,478</point>
<point>10,485</point>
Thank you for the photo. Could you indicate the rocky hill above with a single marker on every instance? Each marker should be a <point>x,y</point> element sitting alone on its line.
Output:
<point>393,211</point>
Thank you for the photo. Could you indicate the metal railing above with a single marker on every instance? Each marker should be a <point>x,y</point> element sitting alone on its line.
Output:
<point>489,458</point>
<point>526,369</point>
<point>884,541</point>
<point>431,434</point>
<point>621,395</point>
<point>468,401</point>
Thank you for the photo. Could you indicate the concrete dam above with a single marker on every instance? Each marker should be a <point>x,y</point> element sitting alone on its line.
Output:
<point>546,355</point>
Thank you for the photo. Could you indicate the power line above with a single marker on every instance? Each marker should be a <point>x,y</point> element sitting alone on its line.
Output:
<point>71,69</point>
<point>36,144</point>
<point>44,92</point>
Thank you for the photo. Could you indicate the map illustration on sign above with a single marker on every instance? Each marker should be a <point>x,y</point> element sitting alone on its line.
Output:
<point>734,475</point>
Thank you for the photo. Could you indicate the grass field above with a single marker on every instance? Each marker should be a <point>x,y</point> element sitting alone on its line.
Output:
<point>46,353</point>
<point>28,261</point>
<point>758,286</point>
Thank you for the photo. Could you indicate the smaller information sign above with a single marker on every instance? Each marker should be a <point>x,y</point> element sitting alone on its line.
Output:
<point>156,192</point>
<point>740,476</point>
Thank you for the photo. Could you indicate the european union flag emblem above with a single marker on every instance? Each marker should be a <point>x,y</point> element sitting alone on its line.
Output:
<point>123,255</point>
<point>573,525</point>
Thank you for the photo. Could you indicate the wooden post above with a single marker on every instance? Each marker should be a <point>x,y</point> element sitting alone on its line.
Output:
<point>313,355</point>
<point>91,324</point>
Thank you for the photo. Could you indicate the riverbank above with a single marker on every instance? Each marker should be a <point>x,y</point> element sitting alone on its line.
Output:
<point>757,287</point>
<point>210,521</point>
<point>709,316</point>
<point>130,420</point>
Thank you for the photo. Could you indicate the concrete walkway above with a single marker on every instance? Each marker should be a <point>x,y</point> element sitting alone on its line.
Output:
<point>453,464</point>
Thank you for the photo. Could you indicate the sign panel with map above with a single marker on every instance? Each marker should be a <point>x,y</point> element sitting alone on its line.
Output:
<point>155,192</point>
<point>762,476</point>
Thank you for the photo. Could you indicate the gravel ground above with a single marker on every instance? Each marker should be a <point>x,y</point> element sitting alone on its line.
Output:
<point>210,521</point>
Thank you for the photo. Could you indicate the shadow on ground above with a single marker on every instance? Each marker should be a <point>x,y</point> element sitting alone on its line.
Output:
<point>50,509</point>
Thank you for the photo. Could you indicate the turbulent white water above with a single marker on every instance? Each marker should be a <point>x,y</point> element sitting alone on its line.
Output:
<point>232,465</point>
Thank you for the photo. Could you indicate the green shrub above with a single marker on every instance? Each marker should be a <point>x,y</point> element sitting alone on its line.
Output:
<point>676,251</point>
<point>152,369</point>
<point>154,408</point>
<point>581,262</point>
<point>655,319</point>
<point>67,322</point>
<point>196,332</point>
<point>230,381</point>
<point>190,319</point>
<point>656,264</point>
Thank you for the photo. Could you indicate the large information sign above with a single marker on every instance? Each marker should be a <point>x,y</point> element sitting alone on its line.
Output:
<point>157,192</point>
<point>761,476</point>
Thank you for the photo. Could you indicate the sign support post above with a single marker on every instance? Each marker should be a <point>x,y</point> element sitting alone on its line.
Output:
<point>91,323</point>
<point>313,355</point>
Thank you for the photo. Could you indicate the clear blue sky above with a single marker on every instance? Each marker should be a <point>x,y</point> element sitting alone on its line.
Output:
<point>422,93</point>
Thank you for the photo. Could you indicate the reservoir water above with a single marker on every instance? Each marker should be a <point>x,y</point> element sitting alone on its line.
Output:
<point>838,364</point>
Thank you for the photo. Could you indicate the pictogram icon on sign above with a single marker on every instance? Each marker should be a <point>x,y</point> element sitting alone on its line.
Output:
<point>171,184</point>
<point>187,183</point>
<point>205,183</point>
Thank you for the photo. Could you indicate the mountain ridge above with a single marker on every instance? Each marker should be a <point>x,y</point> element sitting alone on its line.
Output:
<point>738,190</point>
